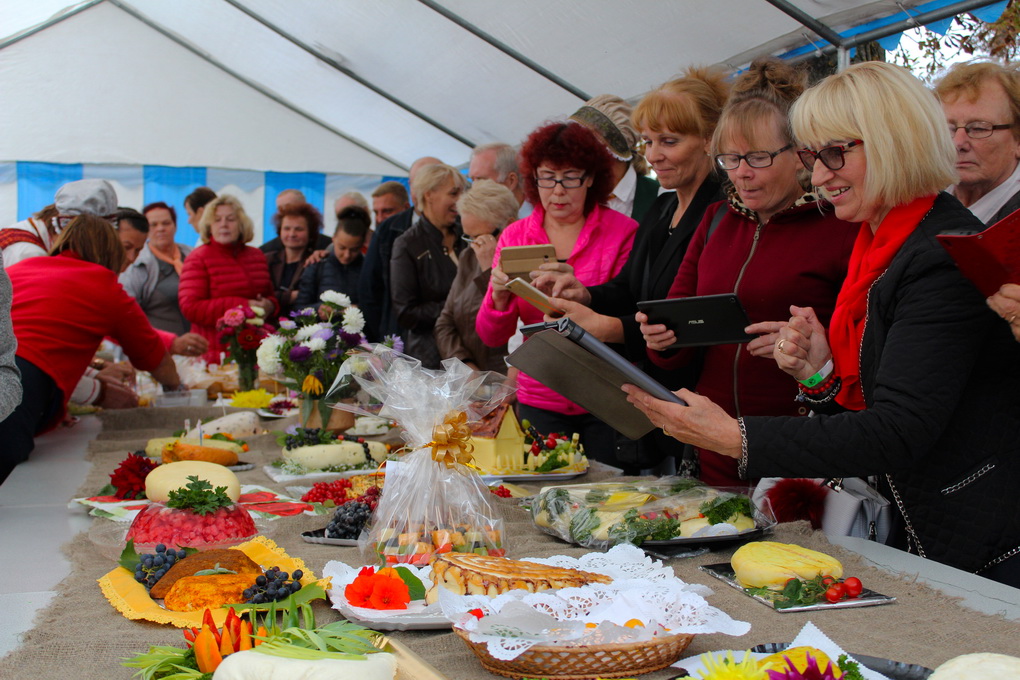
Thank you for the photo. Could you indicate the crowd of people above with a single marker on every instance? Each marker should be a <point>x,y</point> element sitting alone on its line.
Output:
<point>872,356</point>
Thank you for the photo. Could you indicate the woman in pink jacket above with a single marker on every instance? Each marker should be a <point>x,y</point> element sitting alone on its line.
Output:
<point>224,272</point>
<point>568,177</point>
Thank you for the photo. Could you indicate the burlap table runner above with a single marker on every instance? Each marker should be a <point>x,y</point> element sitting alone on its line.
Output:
<point>80,635</point>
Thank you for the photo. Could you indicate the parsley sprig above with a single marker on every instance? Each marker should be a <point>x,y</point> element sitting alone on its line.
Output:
<point>796,593</point>
<point>199,496</point>
<point>721,508</point>
<point>851,669</point>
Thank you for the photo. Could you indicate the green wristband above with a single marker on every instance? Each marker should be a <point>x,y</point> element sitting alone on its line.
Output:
<point>823,373</point>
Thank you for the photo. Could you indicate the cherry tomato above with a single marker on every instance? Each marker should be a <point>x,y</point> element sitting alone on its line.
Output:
<point>828,580</point>
<point>853,586</point>
<point>836,592</point>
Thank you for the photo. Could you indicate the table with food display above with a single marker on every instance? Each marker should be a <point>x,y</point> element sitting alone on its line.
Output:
<point>229,543</point>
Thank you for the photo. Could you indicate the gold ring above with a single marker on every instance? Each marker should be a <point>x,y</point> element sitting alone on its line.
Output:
<point>1012,318</point>
<point>780,345</point>
<point>665,431</point>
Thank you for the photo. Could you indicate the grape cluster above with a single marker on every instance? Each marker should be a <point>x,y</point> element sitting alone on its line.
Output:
<point>328,491</point>
<point>307,436</point>
<point>153,567</point>
<point>273,586</point>
<point>348,520</point>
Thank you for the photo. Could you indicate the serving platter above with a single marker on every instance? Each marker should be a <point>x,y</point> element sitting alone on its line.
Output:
<point>894,670</point>
<point>266,413</point>
<point>533,476</point>
<point>757,532</point>
<point>319,536</point>
<point>418,615</point>
<point>868,598</point>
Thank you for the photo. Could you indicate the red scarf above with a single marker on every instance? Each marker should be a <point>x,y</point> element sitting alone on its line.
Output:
<point>870,258</point>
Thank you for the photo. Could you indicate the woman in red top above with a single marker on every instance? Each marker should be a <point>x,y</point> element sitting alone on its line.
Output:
<point>223,273</point>
<point>773,246</point>
<point>63,307</point>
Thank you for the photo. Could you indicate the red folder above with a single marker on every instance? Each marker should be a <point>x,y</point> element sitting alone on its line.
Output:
<point>988,258</point>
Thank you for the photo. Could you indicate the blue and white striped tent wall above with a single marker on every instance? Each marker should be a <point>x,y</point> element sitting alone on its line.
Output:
<point>25,187</point>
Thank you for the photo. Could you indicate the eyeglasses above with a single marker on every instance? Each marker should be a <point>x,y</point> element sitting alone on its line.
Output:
<point>566,182</point>
<point>471,239</point>
<point>755,159</point>
<point>831,156</point>
<point>979,129</point>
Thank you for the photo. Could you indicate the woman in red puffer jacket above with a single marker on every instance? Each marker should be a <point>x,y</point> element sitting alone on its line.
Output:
<point>223,273</point>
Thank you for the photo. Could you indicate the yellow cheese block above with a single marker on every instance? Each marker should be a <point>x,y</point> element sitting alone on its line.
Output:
<point>154,448</point>
<point>767,564</point>
<point>171,476</point>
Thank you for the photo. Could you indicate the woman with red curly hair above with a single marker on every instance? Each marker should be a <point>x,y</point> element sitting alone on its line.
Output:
<point>568,177</point>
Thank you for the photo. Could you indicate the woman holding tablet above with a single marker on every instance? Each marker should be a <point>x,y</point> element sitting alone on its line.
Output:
<point>915,378</point>
<point>773,245</point>
<point>568,178</point>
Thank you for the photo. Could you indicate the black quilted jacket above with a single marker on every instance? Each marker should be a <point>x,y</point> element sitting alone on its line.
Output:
<point>941,378</point>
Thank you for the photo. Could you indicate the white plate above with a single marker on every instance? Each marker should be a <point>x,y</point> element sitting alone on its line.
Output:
<point>279,476</point>
<point>266,413</point>
<point>415,618</point>
<point>532,477</point>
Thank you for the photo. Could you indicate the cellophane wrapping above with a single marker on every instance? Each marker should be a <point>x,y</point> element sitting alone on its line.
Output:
<point>433,501</point>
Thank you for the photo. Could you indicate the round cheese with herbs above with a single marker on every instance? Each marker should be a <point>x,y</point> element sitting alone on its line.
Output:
<point>981,666</point>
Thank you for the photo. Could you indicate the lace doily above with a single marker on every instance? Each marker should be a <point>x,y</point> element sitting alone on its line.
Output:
<point>644,594</point>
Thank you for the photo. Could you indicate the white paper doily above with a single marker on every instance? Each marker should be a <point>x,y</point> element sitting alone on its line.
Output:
<point>642,589</point>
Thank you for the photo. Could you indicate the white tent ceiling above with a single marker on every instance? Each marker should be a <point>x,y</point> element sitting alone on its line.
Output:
<point>350,86</point>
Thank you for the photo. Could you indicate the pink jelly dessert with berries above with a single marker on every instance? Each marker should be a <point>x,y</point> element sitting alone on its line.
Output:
<point>182,528</point>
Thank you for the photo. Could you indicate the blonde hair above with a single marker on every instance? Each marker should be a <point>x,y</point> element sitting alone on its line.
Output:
<point>906,142</point>
<point>759,104</point>
<point>490,202</point>
<point>688,105</point>
<point>433,176</point>
<point>94,240</point>
<point>966,79</point>
<point>209,214</point>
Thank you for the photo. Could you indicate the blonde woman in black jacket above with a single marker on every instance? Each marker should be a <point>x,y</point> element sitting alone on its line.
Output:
<point>915,379</point>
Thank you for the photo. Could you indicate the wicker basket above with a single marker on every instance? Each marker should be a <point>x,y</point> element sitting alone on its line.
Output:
<point>584,662</point>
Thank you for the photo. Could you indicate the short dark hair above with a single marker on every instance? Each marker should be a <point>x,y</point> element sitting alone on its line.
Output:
<point>94,240</point>
<point>313,218</point>
<point>391,188</point>
<point>133,217</point>
<point>353,220</point>
<point>565,145</point>
<point>161,204</point>
<point>199,198</point>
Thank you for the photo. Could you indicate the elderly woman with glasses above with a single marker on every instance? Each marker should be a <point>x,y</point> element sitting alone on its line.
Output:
<point>914,380</point>
<point>771,243</point>
<point>568,178</point>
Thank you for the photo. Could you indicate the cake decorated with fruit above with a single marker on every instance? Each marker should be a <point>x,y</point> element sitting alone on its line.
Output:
<point>196,515</point>
<point>504,446</point>
<point>317,450</point>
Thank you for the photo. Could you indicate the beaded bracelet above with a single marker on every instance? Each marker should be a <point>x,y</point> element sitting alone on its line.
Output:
<point>821,396</point>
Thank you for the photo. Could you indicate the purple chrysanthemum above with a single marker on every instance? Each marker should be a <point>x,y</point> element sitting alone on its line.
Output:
<point>300,353</point>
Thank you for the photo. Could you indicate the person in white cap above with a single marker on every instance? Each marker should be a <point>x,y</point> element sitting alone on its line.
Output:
<point>32,237</point>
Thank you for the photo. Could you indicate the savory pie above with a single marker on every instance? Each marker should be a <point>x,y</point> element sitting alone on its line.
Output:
<point>234,560</point>
<point>195,593</point>
<point>471,574</point>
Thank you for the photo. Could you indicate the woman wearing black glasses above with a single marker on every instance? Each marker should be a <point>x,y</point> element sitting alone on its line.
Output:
<point>568,177</point>
<point>771,243</point>
<point>915,378</point>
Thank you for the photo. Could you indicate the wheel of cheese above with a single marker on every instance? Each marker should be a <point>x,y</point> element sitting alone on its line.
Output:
<point>171,476</point>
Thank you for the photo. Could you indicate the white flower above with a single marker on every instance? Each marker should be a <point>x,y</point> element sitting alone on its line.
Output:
<point>315,344</point>
<point>306,332</point>
<point>335,297</point>
<point>354,320</point>
<point>268,355</point>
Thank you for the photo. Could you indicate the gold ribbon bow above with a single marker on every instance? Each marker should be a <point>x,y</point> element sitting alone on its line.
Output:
<point>451,440</point>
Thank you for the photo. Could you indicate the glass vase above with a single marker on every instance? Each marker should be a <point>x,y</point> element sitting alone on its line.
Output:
<point>247,376</point>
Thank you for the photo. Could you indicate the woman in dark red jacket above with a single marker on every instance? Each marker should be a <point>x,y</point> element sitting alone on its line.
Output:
<point>223,273</point>
<point>774,246</point>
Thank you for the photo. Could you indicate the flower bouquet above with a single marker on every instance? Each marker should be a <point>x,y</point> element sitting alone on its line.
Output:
<point>306,351</point>
<point>241,329</point>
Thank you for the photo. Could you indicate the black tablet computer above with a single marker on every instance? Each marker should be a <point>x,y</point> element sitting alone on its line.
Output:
<point>700,321</point>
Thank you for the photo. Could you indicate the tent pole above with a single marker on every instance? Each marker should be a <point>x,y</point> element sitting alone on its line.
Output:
<point>842,59</point>
<point>506,49</point>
